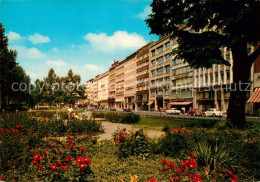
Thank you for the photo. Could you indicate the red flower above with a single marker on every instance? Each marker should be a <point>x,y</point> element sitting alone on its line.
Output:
<point>152,180</point>
<point>164,161</point>
<point>88,160</point>
<point>40,166</point>
<point>82,166</point>
<point>36,157</point>
<point>232,180</point>
<point>183,164</point>
<point>27,146</point>
<point>244,161</point>
<point>192,166</point>
<point>229,172</point>
<point>82,149</point>
<point>124,129</point>
<point>1,178</point>
<point>171,164</point>
<point>45,151</point>
<point>80,160</point>
<point>178,170</point>
<point>191,154</point>
<point>185,171</point>
<point>40,158</point>
<point>176,178</point>
<point>65,167</point>
<point>119,153</point>
<point>70,133</point>
<point>165,168</point>
<point>53,144</point>
<point>69,158</point>
<point>235,177</point>
<point>59,163</point>
<point>53,166</point>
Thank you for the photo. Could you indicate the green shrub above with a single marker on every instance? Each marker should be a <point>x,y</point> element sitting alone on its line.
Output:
<point>132,143</point>
<point>173,143</point>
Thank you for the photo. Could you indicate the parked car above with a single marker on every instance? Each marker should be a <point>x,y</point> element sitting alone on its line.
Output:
<point>173,111</point>
<point>212,112</point>
<point>112,109</point>
<point>126,110</point>
<point>195,112</point>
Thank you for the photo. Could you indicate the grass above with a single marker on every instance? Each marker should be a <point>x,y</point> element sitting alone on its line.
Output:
<point>159,123</point>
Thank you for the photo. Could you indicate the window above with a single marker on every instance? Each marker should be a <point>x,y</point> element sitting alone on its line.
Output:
<point>228,75</point>
<point>153,62</point>
<point>222,76</point>
<point>159,81</point>
<point>174,83</point>
<point>160,60</point>
<point>167,69</point>
<point>153,82</point>
<point>167,92</point>
<point>216,78</point>
<point>153,52</point>
<point>153,72</point>
<point>160,49</point>
<point>168,45</point>
<point>167,79</point>
<point>160,93</point>
<point>153,93</point>
<point>160,71</point>
<point>174,72</point>
<point>174,62</point>
<point>168,57</point>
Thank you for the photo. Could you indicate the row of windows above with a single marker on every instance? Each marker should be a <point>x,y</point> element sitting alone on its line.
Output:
<point>210,78</point>
<point>182,70</point>
<point>161,48</point>
<point>160,60</point>
<point>160,70</point>
<point>143,56</point>
<point>143,64</point>
<point>160,81</point>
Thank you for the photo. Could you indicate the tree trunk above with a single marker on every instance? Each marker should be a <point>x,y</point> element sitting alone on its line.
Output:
<point>240,86</point>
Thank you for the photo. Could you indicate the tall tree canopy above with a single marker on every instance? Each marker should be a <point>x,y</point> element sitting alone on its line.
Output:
<point>209,26</point>
<point>11,72</point>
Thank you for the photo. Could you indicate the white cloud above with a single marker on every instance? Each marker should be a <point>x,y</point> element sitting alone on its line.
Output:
<point>93,67</point>
<point>56,63</point>
<point>38,39</point>
<point>28,53</point>
<point>147,11</point>
<point>13,36</point>
<point>120,40</point>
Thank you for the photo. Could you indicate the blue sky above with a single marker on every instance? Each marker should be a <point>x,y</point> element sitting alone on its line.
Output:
<point>85,35</point>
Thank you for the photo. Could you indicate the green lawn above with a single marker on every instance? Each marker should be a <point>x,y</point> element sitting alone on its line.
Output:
<point>159,123</point>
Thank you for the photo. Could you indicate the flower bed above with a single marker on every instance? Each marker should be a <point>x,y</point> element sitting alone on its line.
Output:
<point>27,154</point>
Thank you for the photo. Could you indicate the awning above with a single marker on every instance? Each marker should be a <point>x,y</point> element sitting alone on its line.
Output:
<point>150,103</point>
<point>180,103</point>
<point>255,98</point>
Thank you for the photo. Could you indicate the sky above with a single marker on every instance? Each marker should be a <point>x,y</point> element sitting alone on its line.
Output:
<point>84,35</point>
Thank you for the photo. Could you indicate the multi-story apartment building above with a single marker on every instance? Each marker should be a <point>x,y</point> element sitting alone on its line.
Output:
<point>212,86</point>
<point>130,82</point>
<point>103,81</point>
<point>95,91</point>
<point>120,89</point>
<point>142,77</point>
<point>160,66</point>
<point>112,85</point>
<point>89,93</point>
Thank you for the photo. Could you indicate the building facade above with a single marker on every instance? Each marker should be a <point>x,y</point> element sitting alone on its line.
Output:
<point>89,93</point>
<point>160,66</point>
<point>112,85</point>
<point>142,78</point>
<point>130,82</point>
<point>103,81</point>
<point>120,82</point>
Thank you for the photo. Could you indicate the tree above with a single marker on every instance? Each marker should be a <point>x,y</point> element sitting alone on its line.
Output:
<point>10,73</point>
<point>209,26</point>
<point>49,87</point>
<point>72,90</point>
